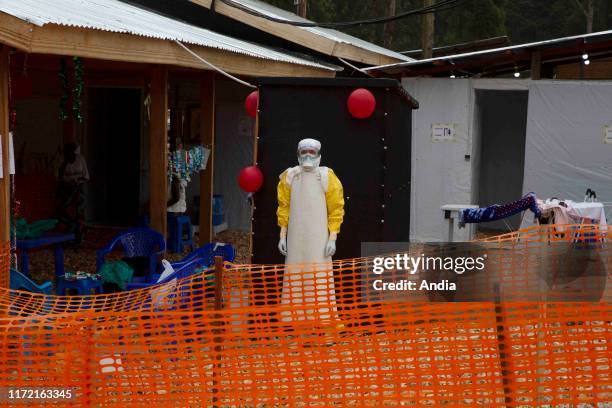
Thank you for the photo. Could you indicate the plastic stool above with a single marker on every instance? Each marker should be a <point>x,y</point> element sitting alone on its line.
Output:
<point>83,287</point>
<point>217,207</point>
<point>176,230</point>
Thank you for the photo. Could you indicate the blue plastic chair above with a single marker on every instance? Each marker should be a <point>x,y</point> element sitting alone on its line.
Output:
<point>141,242</point>
<point>199,259</point>
<point>209,252</point>
<point>21,282</point>
<point>189,294</point>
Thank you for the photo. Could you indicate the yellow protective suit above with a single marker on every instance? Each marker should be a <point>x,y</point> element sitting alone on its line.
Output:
<point>334,198</point>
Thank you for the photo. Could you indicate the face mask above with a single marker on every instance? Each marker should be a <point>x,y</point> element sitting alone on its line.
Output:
<point>309,161</point>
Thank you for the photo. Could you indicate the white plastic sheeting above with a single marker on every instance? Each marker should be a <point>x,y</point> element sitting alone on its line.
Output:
<point>565,151</point>
<point>440,173</point>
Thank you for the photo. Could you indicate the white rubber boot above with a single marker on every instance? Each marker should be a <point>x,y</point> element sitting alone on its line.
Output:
<point>181,205</point>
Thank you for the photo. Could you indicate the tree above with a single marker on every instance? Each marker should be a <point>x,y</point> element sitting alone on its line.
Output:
<point>388,36</point>
<point>473,20</point>
<point>427,31</point>
<point>522,20</point>
<point>587,8</point>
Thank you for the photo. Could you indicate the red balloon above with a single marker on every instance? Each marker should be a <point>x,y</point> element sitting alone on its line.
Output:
<point>250,103</point>
<point>250,179</point>
<point>361,103</point>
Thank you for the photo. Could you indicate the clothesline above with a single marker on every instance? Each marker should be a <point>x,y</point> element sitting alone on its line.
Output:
<point>561,211</point>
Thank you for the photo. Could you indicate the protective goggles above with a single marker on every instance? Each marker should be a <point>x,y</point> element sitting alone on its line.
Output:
<point>308,151</point>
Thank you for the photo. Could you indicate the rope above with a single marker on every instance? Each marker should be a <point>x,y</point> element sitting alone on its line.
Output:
<point>356,68</point>
<point>240,81</point>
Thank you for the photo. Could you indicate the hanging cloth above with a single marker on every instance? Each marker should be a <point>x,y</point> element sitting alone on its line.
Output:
<point>116,272</point>
<point>23,230</point>
<point>499,211</point>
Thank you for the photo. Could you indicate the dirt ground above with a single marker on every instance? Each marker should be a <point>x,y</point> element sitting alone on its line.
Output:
<point>83,257</point>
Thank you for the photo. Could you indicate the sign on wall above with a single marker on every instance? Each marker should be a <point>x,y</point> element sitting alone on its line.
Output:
<point>607,134</point>
<point>442,132</point>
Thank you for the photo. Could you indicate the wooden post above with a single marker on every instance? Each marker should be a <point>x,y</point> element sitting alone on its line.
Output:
<point>427,31</point>
<point>158,149</point>
<point>207,136</point>
<point>5,183</point>
<point>502,345</point>
<point>218,282</point>
<point>218,323</point>
<point>536,65</point>
<point>302,8</point>
<point>388,28</point>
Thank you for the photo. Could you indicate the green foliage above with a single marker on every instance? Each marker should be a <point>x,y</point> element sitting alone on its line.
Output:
<point>473,20</point>
<point>521,20</point>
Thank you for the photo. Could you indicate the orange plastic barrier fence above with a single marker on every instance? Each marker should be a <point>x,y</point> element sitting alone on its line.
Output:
<point>261,335</point>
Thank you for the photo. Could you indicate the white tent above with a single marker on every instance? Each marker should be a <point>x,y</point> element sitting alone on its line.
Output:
<point>487,141</point>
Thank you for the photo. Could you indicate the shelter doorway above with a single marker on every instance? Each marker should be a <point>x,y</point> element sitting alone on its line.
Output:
<point>113,153</point>
<point>500,132</point>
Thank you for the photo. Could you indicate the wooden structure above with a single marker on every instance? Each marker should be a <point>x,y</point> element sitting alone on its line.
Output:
<point>322,40</point>
<point>559,58</point>
<point>599,69</point>
<point>132,57</point>
<point>4,145</point>
<point>87,43</point>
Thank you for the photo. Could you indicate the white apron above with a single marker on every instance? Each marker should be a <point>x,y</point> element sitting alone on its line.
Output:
<point>307,236</point>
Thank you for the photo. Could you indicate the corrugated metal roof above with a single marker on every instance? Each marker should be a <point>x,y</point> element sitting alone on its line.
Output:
<point>333,35</point>
<point>115,16</point>
<point>499,50</point>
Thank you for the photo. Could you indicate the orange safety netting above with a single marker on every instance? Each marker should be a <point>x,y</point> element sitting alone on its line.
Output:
<point>243,336</point>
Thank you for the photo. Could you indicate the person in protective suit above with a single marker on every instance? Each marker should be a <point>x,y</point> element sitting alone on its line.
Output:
<point>310,213</point>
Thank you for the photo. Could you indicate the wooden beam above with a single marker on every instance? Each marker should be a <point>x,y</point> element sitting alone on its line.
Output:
<point>488,64</point>
<point>158,148</point>
<point>536,65</point>
<point>207,136</point>
<point>300,36</point>
<point>88,43</point>
<point>5,192</point>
